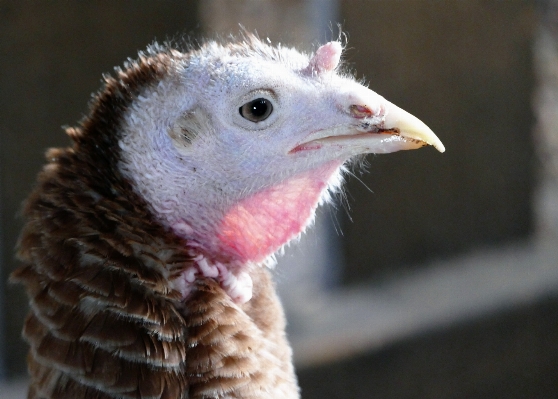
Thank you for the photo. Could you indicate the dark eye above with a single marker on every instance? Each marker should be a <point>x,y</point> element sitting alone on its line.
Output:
<point>256,110</point>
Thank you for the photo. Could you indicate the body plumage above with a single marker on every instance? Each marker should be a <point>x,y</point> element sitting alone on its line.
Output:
<point>146,243</point>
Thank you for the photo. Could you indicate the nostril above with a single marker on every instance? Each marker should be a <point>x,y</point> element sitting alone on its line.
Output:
<point>360,111</point>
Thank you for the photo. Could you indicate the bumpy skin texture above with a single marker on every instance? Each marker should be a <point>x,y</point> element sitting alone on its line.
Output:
<point>104,322</point>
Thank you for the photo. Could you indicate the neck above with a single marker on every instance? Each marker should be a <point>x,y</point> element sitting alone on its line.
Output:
<point>131,320</point>
<point>252,230</point>
<point>260,224</point>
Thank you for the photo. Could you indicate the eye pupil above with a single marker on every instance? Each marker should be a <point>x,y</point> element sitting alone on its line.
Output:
<point>256,110</point>
<point>259,107</point>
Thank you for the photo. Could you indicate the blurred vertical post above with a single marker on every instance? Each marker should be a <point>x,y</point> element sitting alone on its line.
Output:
<point>306,270</point>
<point>2,299</point>
<point>546,110</point>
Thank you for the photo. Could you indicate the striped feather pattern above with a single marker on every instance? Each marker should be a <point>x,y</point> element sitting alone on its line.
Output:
<point>103,322</point>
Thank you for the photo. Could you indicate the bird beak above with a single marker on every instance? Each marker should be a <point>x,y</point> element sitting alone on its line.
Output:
<point>411,130</point>
<point>375,124</point>
<point>388,130</point>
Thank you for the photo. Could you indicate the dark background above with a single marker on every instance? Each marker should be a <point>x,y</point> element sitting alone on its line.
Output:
<point>465,68</point>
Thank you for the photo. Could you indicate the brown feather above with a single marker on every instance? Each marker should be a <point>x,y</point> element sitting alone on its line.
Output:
<point>104,322</point>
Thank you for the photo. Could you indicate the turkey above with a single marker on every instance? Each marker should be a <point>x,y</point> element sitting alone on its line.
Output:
<point>148,244</point>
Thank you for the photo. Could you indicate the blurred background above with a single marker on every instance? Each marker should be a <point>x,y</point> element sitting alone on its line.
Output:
<point>437,275</point>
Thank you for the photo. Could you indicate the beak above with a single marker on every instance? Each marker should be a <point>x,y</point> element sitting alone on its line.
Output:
<point>386,130</point>
<point>411,129</point>
<point>374,126</point>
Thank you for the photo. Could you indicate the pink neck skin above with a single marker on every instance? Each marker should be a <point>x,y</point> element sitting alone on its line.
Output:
<point>259,225</point>
<point>254,229</point>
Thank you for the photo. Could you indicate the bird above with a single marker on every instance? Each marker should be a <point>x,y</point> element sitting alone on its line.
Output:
<point>148,244</point>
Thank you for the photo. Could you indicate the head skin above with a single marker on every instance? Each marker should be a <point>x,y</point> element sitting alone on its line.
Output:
<point>238,189</point>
